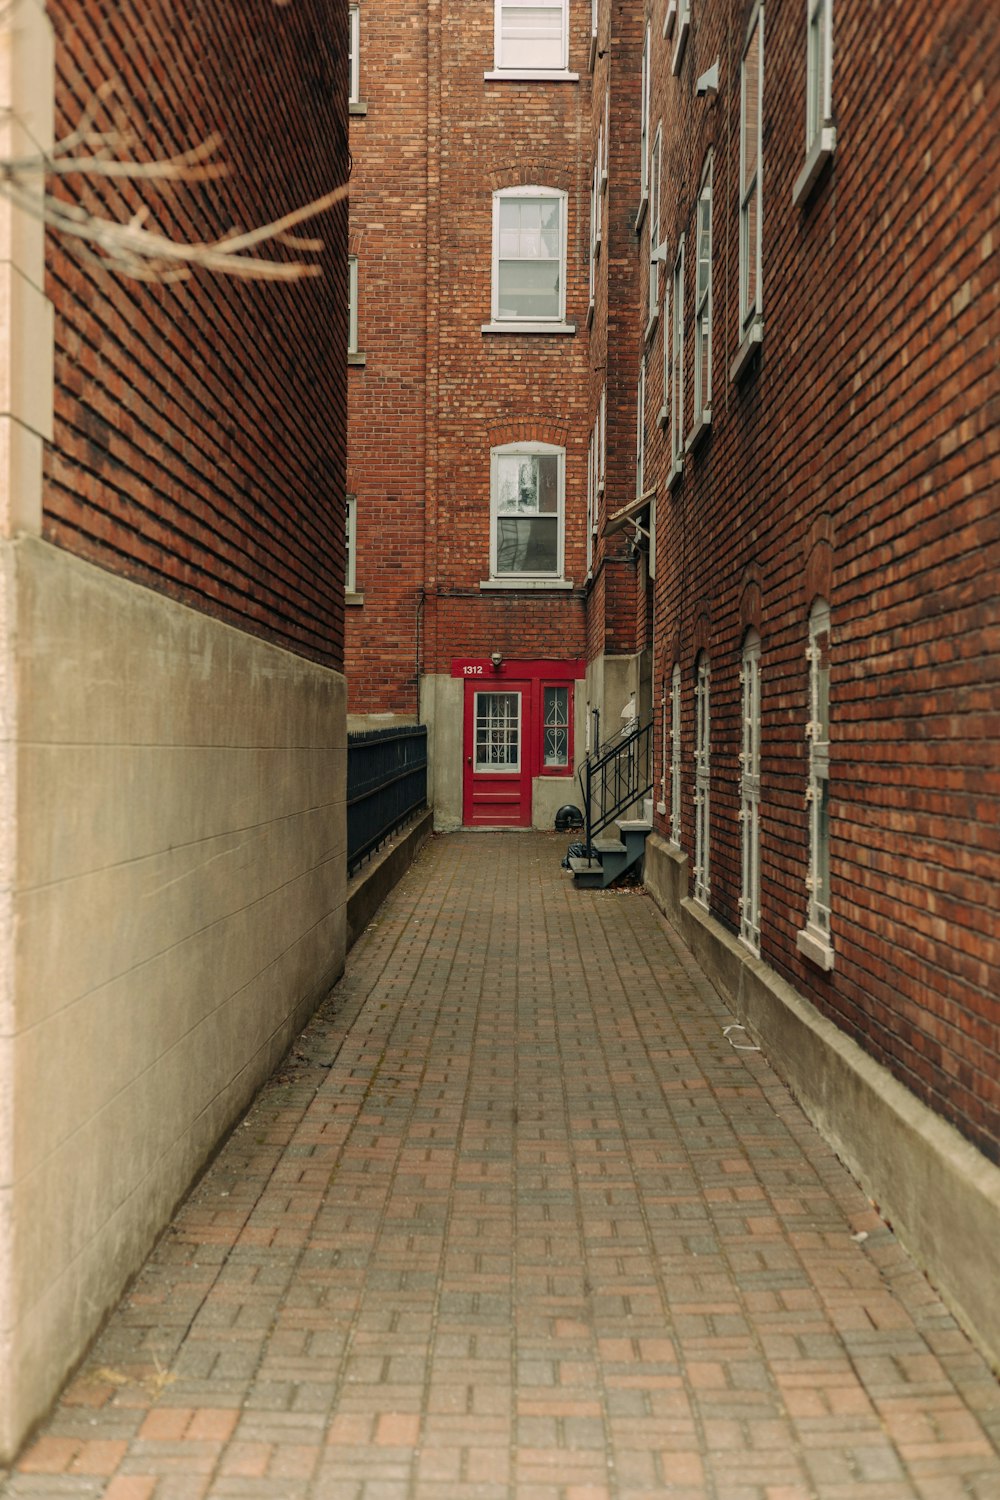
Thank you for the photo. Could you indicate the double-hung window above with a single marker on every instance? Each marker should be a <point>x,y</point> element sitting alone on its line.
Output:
<point>532,36</point>
<point>644,132</point>
<point>526,505</point>
<point>815,941</point>
<point>653,224</point>
<point>529,259</point>
<point>821,134</point>
<point>350,545</point>
<point>702,780</point>
<point>751,118</point>
<point>353,55</point>
<point>352,308</point>
<point>703,310</point>
<point>750,794</point>
<point>677,365</point>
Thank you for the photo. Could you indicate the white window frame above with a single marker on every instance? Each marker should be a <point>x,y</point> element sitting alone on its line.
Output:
<point>676,413</point>
<point>605,166</point>
<point>644,132</point>
<point>702,394</point>
<point>821,133</point>
<point>815,940</point>
<point>749,902</point>
<point>675,756</point>
<point>680,25</point>
<point>593,34</point>
<point>504,69</point>
<point>528,576</point>
<point>354,55</point>
<point>702,780</point>
<point>546,324</point>
<point>751,205</point>
<point>640,429</point>
<point>602,454</point>
<point>653,226</point>
<point>661,806</point>
<point>351,545</point>
<point>352,304</point>
<point>595,227</point>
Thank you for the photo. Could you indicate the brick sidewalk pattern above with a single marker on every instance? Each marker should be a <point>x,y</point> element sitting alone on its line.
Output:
<point>517,1219</point>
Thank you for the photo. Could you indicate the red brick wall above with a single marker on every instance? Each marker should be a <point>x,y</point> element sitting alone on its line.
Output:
<point>200,427</point>
<point>857,459</point>
<point>435,393</point>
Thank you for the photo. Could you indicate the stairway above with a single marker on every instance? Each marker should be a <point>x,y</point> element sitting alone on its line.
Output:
<point>613,857</point>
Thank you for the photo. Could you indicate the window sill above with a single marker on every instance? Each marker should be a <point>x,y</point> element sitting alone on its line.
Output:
<point>528,75</point>
<point>674,477</point>
<point>350,598</point>
<point>662,418</point>
<point>590,315</point>
<point>669,20</point>
<point>699,432</point>
<point>640,214</point>
<point>820,152</point>
<point>357,107</point>
<point>751,343</point>
<point>513,327</point>
<point>357,359</point>
<point>651,327</point>
<point>526,583</point>
<point>661,808</point>
<point>679,46</point>
<point>604,178</point>
<point>593,51</point>
<point>815,948</point>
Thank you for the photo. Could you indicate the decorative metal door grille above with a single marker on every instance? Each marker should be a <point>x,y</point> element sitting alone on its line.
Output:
<point>498,731</point>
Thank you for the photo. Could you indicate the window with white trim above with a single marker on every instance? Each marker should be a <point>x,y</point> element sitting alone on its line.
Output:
<point>602,451</point>
<point>531,36</point>
<point>640,428</point>
<point>350,545</point>
<point>653,218</point>
<point>815,941</point>
<point>556,726</point>
<point>526,511</point>
<point>591,498</point>
<point>821,134</point>
<point>680,26</point>
<point>702,779</point>
<point>529,255</point>
<point>751,118</point>
<point>750,793</point>
<point>605,165</point>
<point>677,364</point>
<point>354,55</point>
<point>661,805</point>
<point>352,304</point>
<point>595,224</point>
<point>664,413</point>
<point>644,131</point>
<point>675,756</point>
<point>703,307</point>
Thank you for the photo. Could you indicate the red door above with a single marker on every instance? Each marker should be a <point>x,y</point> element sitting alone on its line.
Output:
<point>498,734</point>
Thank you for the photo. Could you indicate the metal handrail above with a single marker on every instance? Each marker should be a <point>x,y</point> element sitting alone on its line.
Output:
<point>615,777</point>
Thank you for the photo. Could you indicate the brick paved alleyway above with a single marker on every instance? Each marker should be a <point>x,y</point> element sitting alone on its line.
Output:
<point>518,1221</point>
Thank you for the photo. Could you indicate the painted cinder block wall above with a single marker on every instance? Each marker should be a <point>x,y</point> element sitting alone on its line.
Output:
<point>174,703</point>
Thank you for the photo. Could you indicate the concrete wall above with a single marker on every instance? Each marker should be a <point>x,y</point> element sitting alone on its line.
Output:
<point>940,1194</point>
<point>175,827</point>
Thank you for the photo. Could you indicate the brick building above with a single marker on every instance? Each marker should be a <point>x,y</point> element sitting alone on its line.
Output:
<point>172,473</point>
<point>773,390</point>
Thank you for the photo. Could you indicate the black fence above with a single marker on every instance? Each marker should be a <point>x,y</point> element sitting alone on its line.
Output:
<point>386,785</point>
<point>617,776</point>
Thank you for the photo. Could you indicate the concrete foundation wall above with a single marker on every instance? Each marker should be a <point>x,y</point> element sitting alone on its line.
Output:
<point>176,898</point>
<point>940,1194</point>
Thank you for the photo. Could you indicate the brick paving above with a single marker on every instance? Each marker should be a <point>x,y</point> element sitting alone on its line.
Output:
<point>517,1220</point>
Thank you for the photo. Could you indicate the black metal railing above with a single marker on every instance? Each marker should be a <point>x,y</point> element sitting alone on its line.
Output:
<point>386,785</point>
<point>616,776</point>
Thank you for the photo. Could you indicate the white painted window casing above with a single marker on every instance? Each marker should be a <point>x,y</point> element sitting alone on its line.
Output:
<point>675,757</point>
<point>602,456</point>
<point>354,55</point>
<point>531,36</point>
<point>750,794</point>
<point>653,226</point>
<point>751,124</point>
<point>702,781</point>
<point>821,133</point>
<point>527,483</point>
<point>529,256</point>
<point>640,428</point>
<point>815,941</point>
<point>350,545</point>
<point>703,310</point>
<point>644,132</point>
<point>352,304</point>
<point>681,28</point>
<point>677,365</point>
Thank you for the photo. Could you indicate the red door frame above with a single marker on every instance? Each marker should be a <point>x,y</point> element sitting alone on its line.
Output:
<point>529,678</point>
